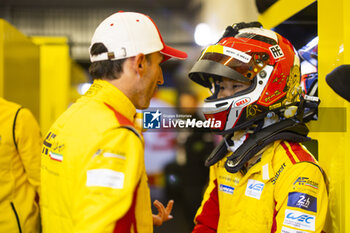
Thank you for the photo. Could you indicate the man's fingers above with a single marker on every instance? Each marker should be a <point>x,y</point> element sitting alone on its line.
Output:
<point>169,207</point>
<point>158,204</point>
<point>160,207</point>
<point>163,213</point>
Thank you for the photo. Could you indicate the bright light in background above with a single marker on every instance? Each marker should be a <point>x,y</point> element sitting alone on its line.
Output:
<point>82,88</point>
<point>203,35</point>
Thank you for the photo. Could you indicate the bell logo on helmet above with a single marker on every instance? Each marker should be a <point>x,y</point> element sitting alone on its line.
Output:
<point>243,101</point>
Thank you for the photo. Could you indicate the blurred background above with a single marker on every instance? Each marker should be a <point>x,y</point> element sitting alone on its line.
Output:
<point>44,57</point>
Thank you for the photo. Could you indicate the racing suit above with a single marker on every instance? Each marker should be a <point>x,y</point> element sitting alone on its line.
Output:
<point>283,192</point>
<point>93,173</point>
<point>20,145</point>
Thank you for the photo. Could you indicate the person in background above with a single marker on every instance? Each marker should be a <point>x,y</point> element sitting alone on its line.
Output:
<point>160,150</point>
<point>261,178</point>
<point>194,146</point>
<point>20,146</point>
<point>93,172</point>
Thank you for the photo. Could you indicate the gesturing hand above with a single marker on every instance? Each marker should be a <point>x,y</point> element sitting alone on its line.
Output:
<point>163,213</point>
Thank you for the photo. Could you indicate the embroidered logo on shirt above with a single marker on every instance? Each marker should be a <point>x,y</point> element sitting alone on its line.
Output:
<point>302,201</point>
<point>299,220</point>
<point>254,189</point>
<point>226,189</point>
<point>306,182</point>
<point>56,156</point>
<point>278,173</point>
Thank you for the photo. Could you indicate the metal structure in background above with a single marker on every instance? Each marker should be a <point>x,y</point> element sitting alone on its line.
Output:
<point>77,19</point>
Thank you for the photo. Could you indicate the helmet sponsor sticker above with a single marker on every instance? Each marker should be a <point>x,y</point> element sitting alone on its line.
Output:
<point>105,178</point>
<point>276,51</point>
<point>254,189</point>
<point>274,106</point>
<point>299,220</point>
<point>243,57</point>
<point>302,201</point>
<point>226,189</point>
<point>242,102</point>
<point>290,230</point>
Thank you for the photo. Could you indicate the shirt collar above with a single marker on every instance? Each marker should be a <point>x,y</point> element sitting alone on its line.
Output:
<point>265,164</point>
<point>111,95</point>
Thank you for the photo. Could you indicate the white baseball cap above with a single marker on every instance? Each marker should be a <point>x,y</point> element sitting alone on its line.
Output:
<point>126,34</point>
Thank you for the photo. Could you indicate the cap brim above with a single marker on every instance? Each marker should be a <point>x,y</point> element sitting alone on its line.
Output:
<point>170,52</point>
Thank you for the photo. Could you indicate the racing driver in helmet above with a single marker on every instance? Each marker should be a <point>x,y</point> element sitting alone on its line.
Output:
<point>262,179</point>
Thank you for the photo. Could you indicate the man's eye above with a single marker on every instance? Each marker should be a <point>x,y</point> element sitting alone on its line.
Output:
<point>222,88</point>
<point>236,86</point>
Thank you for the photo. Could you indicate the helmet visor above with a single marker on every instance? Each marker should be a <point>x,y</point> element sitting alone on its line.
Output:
<point>228,62</point>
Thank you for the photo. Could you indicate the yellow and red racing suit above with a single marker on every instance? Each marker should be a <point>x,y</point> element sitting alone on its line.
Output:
<point>284,192</point>
<point>93,173</point>
<point>20,145</point>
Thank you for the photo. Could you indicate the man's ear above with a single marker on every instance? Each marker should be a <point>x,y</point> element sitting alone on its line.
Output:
<point>140,63</point>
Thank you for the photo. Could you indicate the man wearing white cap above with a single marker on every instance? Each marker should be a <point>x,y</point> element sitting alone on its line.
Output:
<point>93,172</point>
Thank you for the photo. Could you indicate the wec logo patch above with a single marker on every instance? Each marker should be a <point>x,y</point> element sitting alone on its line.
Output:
<point>299,220</point>
<point>254,189</point>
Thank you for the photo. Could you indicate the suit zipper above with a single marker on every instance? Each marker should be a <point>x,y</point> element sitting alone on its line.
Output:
<point>17,218</point>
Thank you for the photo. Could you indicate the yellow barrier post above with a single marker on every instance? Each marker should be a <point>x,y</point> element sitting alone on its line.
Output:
<point>54,78</point>
<point>19,68</point>
<point>334,50</point>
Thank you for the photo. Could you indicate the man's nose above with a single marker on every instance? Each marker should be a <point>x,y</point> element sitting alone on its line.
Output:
<point>160,79</point>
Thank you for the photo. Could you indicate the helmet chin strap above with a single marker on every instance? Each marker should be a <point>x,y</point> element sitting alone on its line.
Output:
<point>290,130</point>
